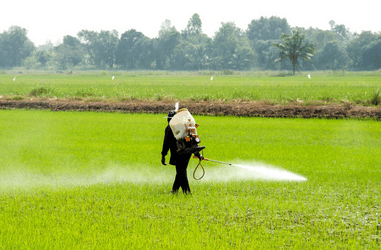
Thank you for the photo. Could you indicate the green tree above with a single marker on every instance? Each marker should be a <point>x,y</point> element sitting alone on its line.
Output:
<point>38,60</point>
<point>70,53</point>
<point>131,48</point>
<point>342,32</point>
<point>266,54</point>
<point>165,45</point>
<point>231,48</point>
<point>261,34</point>
<point>193,51</point>
<point>180,55</point>
<point>14,47</point>
<point>191,56</point>
<point>198,57</point>
<point>293,48</point>
<point>100,46</point>
<point>371,55</point>
<point>46,47</point>
<point>147,57</point>
<point>355,46</point>
<point>267,29</point>
<point>194,26</point>
<point>333,57</point>
<point>243,57</point>
<point>320,37</point>
<point>42,57</point>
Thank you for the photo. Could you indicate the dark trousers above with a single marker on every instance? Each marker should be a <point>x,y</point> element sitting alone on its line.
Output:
<point>181,179</point>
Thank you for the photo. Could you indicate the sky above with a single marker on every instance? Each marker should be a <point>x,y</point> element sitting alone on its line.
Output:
<point>52,20</point>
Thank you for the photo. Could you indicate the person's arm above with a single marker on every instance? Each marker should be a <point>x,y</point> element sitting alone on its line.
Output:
<point>166,145</point>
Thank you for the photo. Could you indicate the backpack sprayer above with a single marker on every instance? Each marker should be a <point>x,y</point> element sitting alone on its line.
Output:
<point>184,129</point>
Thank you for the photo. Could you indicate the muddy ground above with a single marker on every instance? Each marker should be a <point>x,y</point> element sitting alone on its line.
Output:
<point>258,109</point>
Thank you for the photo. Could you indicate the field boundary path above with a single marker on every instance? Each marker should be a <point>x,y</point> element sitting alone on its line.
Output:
<point>200,108</point>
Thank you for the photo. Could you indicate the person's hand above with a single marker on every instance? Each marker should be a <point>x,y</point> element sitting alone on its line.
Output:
<point>163,160</point>
<point>199,156</point>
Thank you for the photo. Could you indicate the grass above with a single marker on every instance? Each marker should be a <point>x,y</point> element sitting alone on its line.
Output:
<point>324,87</point>
<point>94,180</point>
<point>376,98</point>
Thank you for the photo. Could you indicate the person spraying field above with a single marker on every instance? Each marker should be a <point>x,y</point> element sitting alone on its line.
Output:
<point>182,140</point>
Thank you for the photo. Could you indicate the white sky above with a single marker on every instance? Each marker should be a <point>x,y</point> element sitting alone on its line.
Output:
<point>52,20</point>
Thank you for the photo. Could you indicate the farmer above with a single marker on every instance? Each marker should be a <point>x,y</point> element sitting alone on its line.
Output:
<point>180,161</point>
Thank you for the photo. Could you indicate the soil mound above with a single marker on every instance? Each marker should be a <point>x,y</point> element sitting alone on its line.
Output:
<point>200,108</point>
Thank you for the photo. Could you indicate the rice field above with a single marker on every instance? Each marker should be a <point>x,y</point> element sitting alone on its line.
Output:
<point>72,180</point>
<point>324,87</point>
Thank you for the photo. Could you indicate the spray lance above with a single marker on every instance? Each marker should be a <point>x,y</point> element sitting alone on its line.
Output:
<point>202,158</point>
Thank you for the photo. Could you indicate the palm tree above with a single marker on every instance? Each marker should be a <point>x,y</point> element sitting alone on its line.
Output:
<point>293,48</point>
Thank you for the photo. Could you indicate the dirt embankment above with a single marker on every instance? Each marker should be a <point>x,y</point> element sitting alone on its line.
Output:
<point>200,108</point>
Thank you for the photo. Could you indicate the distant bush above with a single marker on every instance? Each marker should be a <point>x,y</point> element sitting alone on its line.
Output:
<point>376,98</point>
<point>227,72</point>
<point>283,74</point>
<point>39,91</point>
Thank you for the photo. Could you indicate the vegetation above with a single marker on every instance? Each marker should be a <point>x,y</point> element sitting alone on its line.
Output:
<point>230,49</point>
<point>325,87</point>
<point>293,48</point>
<point>94,181</point>
<point>376,98</point>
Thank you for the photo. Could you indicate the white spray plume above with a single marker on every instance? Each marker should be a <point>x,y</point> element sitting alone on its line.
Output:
<point>111,174</point>
<point>146,174</point>
<point>250,171</point>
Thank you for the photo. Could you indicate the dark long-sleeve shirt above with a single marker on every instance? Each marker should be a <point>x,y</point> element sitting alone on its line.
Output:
<point>170,144</point>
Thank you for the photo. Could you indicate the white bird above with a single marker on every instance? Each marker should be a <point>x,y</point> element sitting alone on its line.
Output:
<point>211,78</point>
<point>112,77</point>
<point>14,79</point>
<point>309,76</point>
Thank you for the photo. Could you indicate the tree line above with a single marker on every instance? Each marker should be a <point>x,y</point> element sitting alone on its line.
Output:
<point>190,49</point>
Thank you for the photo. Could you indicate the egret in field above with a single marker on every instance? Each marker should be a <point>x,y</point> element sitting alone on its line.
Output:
<point>112,77</point>
<point>309,76</point>
<point>211,78</point>
<point>14,79</point>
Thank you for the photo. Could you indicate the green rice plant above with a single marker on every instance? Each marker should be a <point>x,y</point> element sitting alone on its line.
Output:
<point>95,181</point>
<point>185,86</point>
<point>86,92</point>
<point>17,98</point>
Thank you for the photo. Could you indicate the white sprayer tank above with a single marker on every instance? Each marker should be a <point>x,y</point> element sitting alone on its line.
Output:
<point>181,123</point>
